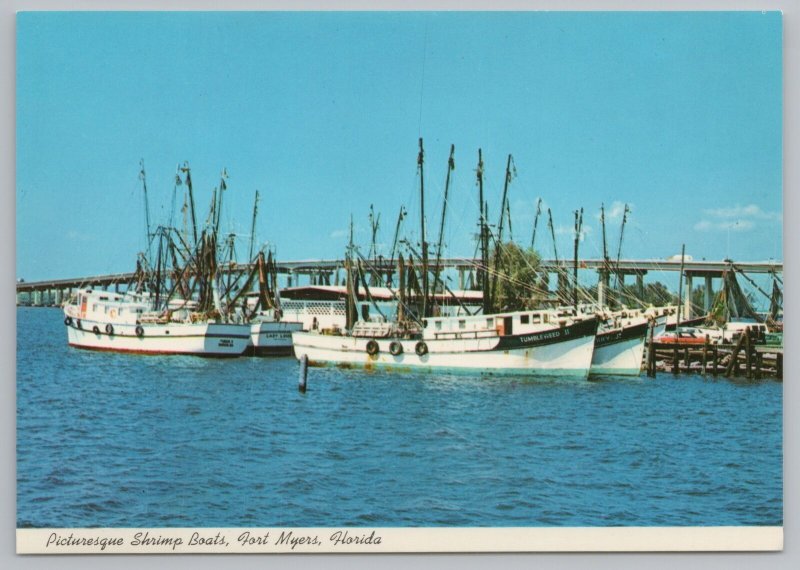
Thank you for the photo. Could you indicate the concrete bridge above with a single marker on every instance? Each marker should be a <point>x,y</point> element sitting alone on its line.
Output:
<point>330,272</point>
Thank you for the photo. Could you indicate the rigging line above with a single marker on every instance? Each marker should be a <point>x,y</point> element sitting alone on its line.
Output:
<point>392,292</point>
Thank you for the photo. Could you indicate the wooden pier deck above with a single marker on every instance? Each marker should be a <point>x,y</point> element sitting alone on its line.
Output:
<point>743,359</point>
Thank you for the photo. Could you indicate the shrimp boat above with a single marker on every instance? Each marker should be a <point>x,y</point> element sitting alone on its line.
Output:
<point>104,321</point>
<point>270,333</point>
<point>520,342</point>
<point>619,345</point>
<point>173,307</point>
<point>620,340</point>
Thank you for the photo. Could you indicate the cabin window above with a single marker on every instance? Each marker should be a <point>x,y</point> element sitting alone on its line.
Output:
<point>94,307</point>
<point>462,324</point>
<point>537,319</point>
<point>524,319</point>
<point>546,318</point>
<point>489,323</point>
<point>103,298</point>
<point>121,310</point>
<point>438,325</point>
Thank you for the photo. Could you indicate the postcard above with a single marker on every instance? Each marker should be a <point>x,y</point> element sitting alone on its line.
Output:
<point>307,282</point>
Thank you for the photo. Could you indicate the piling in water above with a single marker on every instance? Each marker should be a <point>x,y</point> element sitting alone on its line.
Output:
<point>303,373</point>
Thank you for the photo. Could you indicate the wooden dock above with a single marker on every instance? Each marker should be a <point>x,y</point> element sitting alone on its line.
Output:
<point>743,359</point>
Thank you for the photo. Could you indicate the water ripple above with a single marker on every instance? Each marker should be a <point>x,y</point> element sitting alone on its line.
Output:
<point>118,440</point>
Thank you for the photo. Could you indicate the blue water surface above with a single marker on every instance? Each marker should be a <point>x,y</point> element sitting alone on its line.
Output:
<point>114,440</point>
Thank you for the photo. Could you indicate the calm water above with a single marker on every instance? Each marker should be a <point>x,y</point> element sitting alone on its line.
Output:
<point>136,441</point>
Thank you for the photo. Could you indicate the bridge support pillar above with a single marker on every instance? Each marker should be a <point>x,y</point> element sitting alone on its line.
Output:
<point>709,294</point>
<point>640,285</point>
<point>563,288</point>
<point>687,304</point>
<point>289,279</point>
<point>601,288</point>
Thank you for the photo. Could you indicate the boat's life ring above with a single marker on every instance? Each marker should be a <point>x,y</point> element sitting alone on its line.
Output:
<point>68,321</point>
<point>96,329</point>
<point>109,329</point>
<point>139,331</point>
<point>421,349</point>
<point>396,348</point>
<point>372,348</point>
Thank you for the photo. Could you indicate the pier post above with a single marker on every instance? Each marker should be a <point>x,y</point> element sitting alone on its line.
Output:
<point>675,360</point>
<point>461,278</point>
<point>714,360</point>
<point>779,365</point>
<point>303,373</point>
<point>709,295</point>
<point>733,365</point>
<point>705,355</point>
<point>651,353</point>
<point>748,354</point>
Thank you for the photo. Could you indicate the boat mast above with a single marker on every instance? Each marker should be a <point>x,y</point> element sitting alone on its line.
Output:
<point>559,270</point>
<point>218,210</point>
<point>186,170</point>
<point>499,242</point>
<point>578,226</point>
<point>400,218</point>
<point>420,164</point>
<point>552,234</point>
<point>604,275</point>
<point>375,224</point>
<point>253,230</point>
<point>536,221</point>
<point>619,249</point>
<point>451,165</point>
<point>482,270</point>
<point>351,313</point>
<point>680,289</point>
<point>143,178</point>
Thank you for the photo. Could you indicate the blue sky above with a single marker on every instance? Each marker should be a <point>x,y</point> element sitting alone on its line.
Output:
<point>677,114</point>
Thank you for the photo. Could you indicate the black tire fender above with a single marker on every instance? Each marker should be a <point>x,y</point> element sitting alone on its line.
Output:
<point>396,348</point>
<point>372,347</point>
<point>421,348</point>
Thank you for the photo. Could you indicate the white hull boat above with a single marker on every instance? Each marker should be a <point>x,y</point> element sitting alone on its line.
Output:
<point>620,351</point>
<point>272,338</point>
<point>471,344</point>
<point>105,321</point>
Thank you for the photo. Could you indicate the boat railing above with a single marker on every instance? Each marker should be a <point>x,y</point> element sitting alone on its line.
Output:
<point>457,335</point>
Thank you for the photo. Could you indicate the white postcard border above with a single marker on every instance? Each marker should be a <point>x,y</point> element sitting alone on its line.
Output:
<point>395,540</point>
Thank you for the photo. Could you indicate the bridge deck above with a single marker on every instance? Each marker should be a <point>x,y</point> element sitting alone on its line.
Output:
<point>627,267</point>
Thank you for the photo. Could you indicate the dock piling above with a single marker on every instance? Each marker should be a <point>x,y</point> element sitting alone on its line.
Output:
<point>303,373</point>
